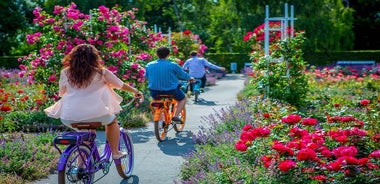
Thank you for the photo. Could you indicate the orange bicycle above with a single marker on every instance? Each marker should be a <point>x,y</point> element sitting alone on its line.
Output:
<point>163,111</point>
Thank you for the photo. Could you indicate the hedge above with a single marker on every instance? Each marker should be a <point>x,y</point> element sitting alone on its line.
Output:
<point>315,59</point>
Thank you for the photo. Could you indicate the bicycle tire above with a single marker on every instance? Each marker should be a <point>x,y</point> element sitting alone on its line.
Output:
<point>68,174</point>
<point>196,90</point>
<point>160,130</point>
<point>179,127</point>
<point>196,95</point>
<point>124,166</point>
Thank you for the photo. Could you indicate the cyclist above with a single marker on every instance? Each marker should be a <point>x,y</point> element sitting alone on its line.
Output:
<point>87,95</point>
<point>163,78</point>
<point>196,67</point>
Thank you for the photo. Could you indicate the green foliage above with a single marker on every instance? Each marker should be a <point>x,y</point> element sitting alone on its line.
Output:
<point>225,59</point>
<point>280,75</point>
<point>28,156</point>
<point>136,116</point>
<point>9,178</point>
<point>221,24</point>
<point>15,16</point>
<point>8,62</point>
<point>329,58</point>
<point>216,164</point>
<point>29,121</point>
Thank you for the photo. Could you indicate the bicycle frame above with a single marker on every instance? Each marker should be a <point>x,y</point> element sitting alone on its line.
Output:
<point>163,111</point>
<point>81,159</point>
<point>162,106</point>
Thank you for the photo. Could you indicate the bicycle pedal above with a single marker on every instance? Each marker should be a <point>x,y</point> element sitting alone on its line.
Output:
<point>178,122</point>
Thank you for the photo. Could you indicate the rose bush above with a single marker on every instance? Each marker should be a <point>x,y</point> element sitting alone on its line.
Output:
<point>125,44</point>
<point>334,150</point>
<point>280,74</point>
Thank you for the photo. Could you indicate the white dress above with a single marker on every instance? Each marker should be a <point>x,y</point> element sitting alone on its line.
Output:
<point>96,100</point>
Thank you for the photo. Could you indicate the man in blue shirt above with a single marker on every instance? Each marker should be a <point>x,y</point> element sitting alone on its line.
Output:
<point>196,67</point>
<point>163,78</point>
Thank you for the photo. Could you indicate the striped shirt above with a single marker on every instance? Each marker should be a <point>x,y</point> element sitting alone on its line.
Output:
<point>196,66</point>
<point>164,75</point>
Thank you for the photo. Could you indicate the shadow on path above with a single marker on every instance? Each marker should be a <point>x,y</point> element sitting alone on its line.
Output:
<point>131,180</point>
<point>202,101</point>
<point>179,145</point>
<point>141,135</point>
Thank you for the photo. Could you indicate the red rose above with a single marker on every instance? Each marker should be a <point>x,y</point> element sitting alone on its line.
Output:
<point>286,165</point>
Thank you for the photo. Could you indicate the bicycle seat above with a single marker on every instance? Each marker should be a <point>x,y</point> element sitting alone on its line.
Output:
<point>86,125</point>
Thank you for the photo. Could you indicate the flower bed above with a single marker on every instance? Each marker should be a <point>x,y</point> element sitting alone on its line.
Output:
<point>334,139</point>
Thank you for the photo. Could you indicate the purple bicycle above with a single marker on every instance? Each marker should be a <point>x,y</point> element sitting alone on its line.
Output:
<point>81,159</point>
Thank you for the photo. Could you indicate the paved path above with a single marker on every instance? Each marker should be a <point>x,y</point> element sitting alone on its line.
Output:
<point>159,162</point>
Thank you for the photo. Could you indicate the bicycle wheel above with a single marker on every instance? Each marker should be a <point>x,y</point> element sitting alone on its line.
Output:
<point>76,171</point>
<point>160,129</point>
<point>182,115</point>
<point>124,166</point>
<point>196,90</point>
<point>196,95</point>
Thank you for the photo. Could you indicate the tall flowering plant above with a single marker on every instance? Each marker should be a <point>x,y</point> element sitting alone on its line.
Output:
<point>280,75</point>
<point>124,43</point>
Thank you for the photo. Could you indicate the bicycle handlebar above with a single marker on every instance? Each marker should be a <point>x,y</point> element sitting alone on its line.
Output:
<point>136,100</point>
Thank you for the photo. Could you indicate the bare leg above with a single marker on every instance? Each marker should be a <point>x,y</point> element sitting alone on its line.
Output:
<point>113,134</point>
<point>180,105</point>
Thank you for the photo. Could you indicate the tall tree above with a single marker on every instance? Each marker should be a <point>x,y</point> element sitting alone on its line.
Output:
<point>366,24</point>
<point>15,16</point>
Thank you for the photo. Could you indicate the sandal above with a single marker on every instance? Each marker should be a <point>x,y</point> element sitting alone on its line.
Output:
<point>120,155</point>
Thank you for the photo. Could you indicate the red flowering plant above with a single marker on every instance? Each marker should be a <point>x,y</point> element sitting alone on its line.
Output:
<point>256,37</point>
<point>352,95</point>
<point>124,43</point>
<point>314,151</point>
<point>280,74</point>
<point>16,95</point>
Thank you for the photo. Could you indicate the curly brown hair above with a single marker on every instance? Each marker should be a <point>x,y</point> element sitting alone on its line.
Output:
<point>82,63</point>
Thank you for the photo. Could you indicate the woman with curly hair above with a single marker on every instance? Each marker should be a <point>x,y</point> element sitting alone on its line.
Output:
<point>86,91</point>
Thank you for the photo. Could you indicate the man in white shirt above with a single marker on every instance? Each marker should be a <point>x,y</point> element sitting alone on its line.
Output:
<point>196,67</point>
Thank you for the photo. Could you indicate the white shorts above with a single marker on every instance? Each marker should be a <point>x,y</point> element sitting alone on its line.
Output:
<point>105,120</point>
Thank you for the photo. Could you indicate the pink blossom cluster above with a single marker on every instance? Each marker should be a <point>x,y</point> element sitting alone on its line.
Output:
<point>120,38</point>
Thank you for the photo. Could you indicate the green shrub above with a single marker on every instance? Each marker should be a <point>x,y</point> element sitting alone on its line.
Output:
<point>280,75</point>
<point>29,121</point>
<point>28,156</point>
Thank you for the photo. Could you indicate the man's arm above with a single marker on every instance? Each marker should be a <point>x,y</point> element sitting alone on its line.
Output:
<point>212,66</point>
<point>182,74</point>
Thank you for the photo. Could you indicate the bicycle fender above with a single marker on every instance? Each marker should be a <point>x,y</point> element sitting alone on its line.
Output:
<point>63,158</point>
